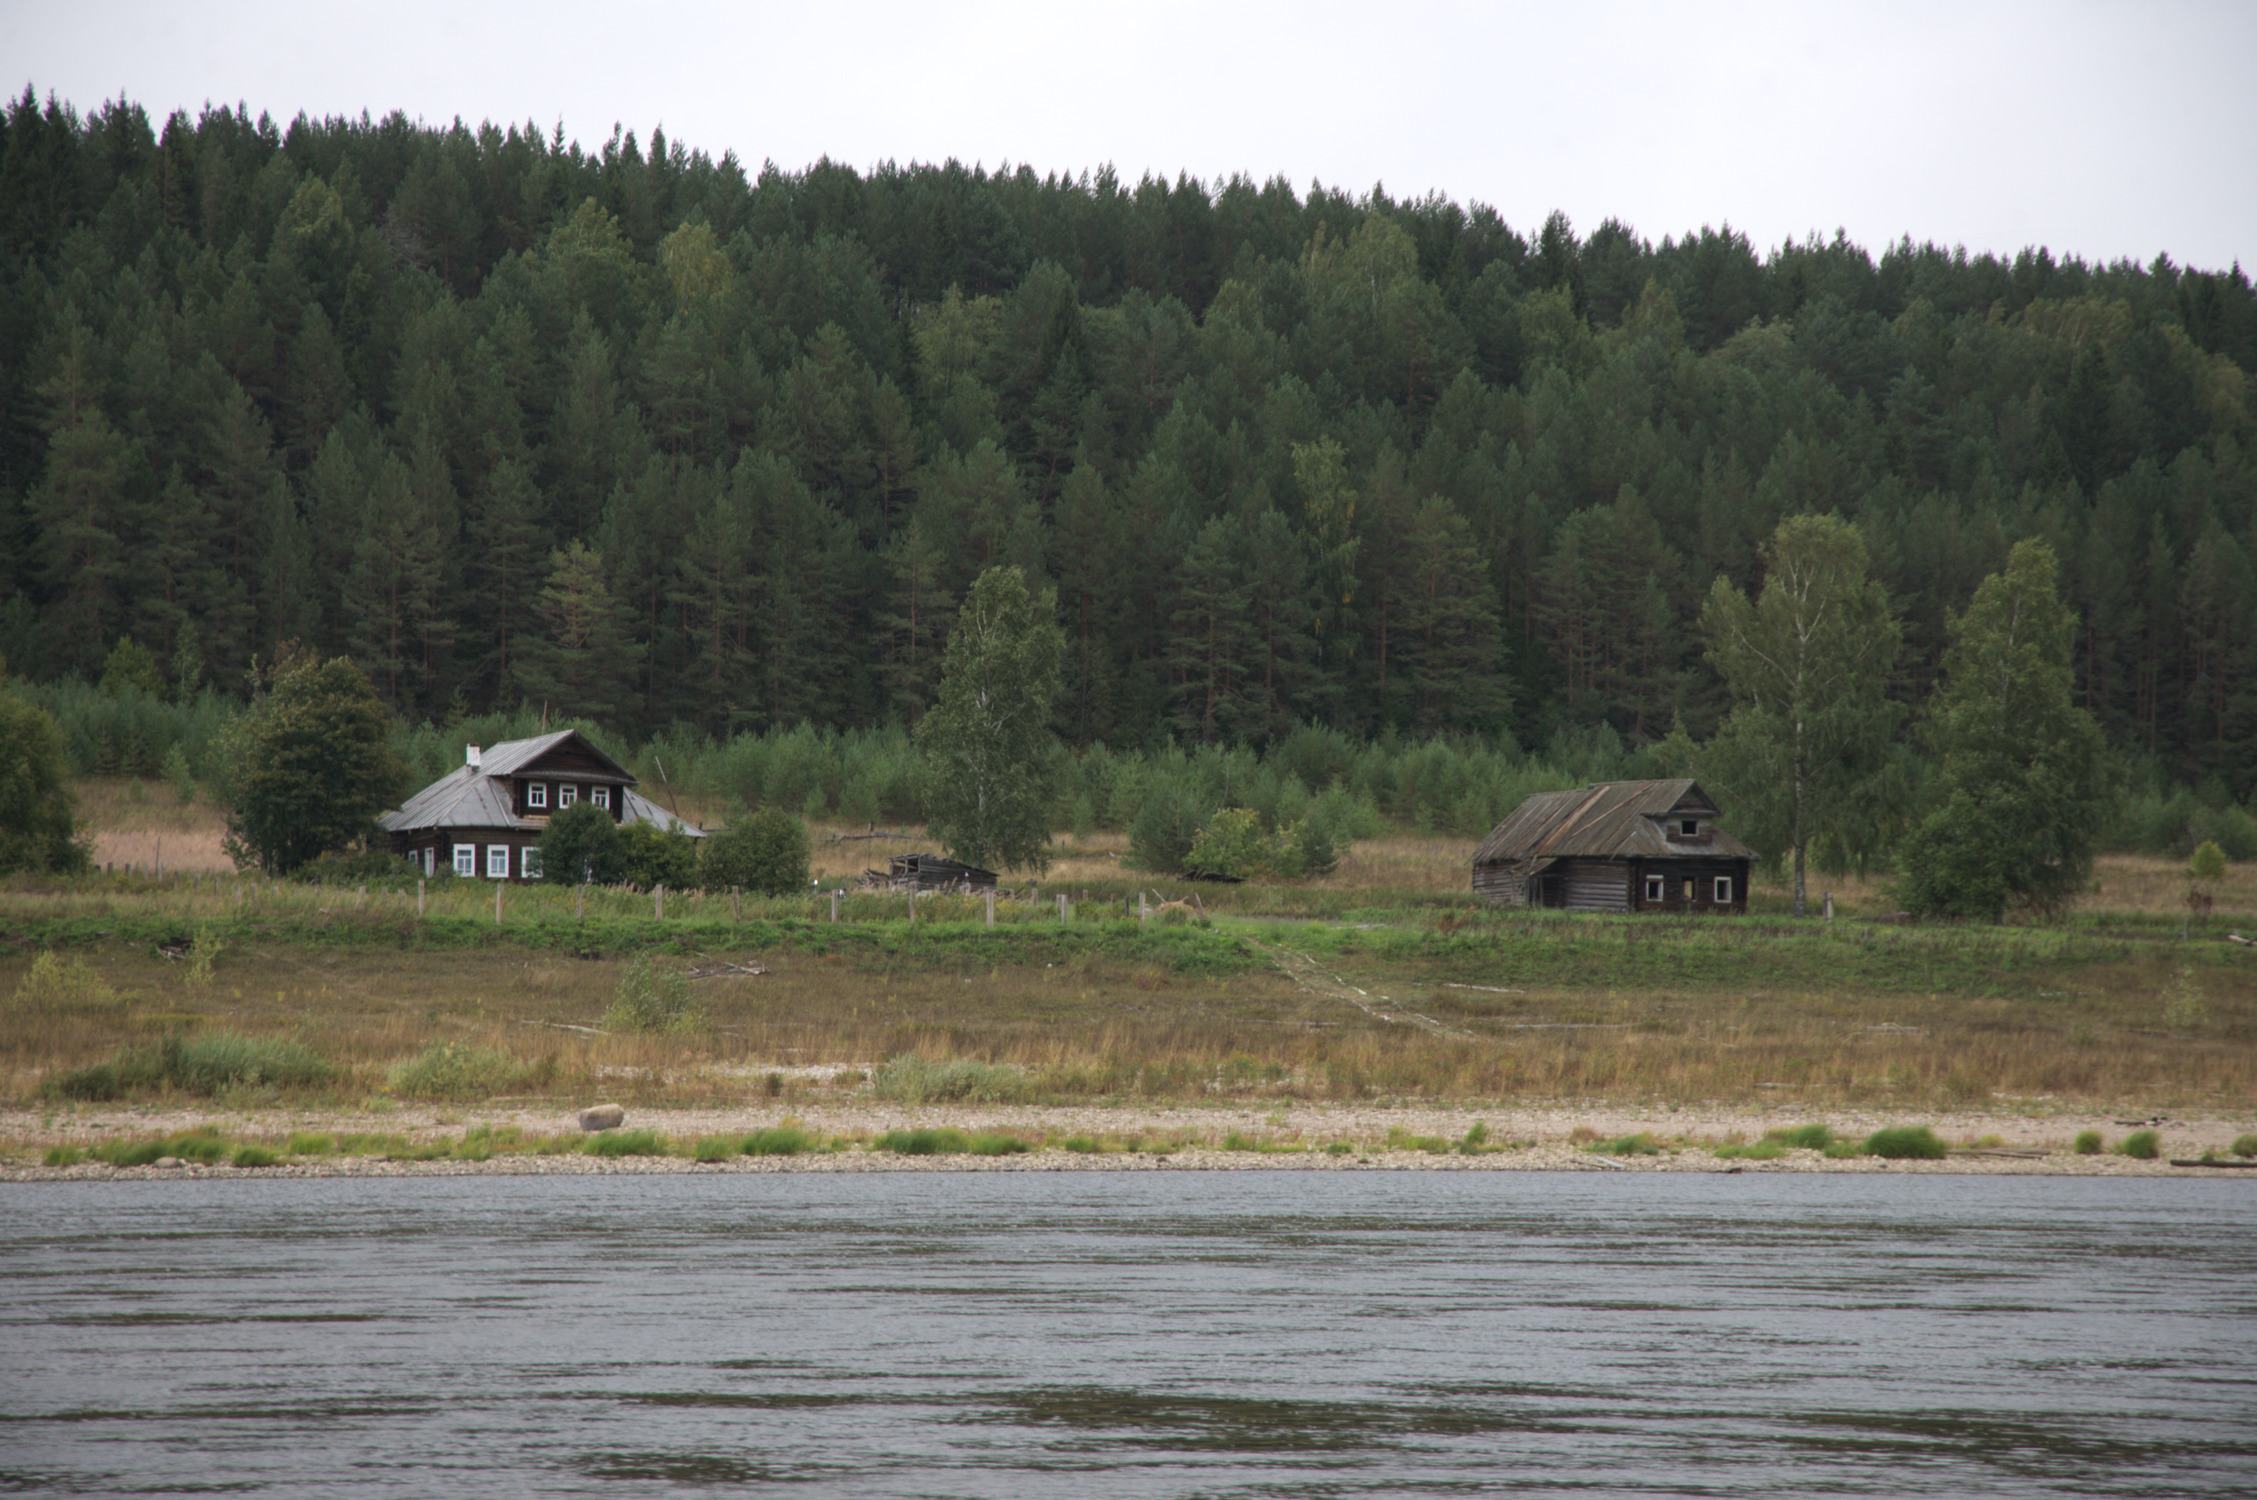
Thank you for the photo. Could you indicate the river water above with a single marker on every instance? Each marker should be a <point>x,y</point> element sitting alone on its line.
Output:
<point>1247,1333</point>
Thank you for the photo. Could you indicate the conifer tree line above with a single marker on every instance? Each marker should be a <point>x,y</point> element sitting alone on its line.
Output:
<point>647,438</point>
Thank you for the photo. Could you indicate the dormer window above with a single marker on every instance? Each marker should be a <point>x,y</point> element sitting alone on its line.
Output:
<point>601,796</point>
<point>1688,827</point>
<point>567,794</point>
<point>537,796</point>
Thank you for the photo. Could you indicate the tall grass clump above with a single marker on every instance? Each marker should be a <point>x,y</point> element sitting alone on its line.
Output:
<point>910,1079</point>
<point>204,1064</point>
<point>1905,1143</point>
<point>627,1143</point>
<point>1802,1137</point>
<point>2141,1145</point>
<point>777,1140</point>
<point>653,996</point>
<point>2244,1146</point>
<point>202,1146</point>
<point>456,1070</point>
<point>2088,1143</point>
<point>55,983</point>
<point>946,1140</point>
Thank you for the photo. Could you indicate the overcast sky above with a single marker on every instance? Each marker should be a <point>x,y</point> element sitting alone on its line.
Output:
<point>2101,130</point>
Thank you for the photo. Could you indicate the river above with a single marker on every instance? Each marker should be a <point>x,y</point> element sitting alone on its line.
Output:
<point>1096,1334</point>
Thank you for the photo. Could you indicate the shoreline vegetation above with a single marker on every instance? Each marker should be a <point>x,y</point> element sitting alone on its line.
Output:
<point>1373,1016</point>
<point>2036,1139</point>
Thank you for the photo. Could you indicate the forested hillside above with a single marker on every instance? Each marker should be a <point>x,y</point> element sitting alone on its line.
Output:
<point>654,439</point>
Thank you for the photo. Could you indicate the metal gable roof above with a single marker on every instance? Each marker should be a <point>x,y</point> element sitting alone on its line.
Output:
<point>478,797</point>
<point>1608,820</point>
<point>511,755</point>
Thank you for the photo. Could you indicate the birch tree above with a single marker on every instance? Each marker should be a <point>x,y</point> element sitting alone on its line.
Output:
<point>1804,749</point>
<point>987,743</point>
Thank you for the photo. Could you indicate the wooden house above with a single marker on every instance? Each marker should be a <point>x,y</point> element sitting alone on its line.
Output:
<point>1616,846</point>
<point>485,818</point>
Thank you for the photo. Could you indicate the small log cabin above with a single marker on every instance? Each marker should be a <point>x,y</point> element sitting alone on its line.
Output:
<point>1616,846</point>
<point>485,818</point>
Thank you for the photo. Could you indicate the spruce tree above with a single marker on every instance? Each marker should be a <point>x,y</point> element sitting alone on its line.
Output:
<point>2023,778</point>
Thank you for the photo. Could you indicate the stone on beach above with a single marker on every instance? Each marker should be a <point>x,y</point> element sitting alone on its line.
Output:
<point>602,1117</point>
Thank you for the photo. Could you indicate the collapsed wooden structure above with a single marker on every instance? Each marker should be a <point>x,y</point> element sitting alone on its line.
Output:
<point>928,872</point>
<point>1628,846</point>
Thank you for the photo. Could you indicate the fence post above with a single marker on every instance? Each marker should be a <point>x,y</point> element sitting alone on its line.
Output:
<point>499,886</point>
<point>580,902</point>
<point>1829,906</point>
<point>419,898</point>
<point>834,906</point>
<point>1142,911</point>
<point>1062,918</point>
<point>658,901</point>
<point>991,908</point>
<point>736,903</point>
<point>912,906</point>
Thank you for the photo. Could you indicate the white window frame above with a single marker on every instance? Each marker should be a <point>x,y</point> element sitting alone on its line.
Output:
<point>466,861</point>
<point>601,797</point>
<point>1723,890</point>
<point>529,862</point>
<point>1657,890</point>
<point>566,795</point>
<point>536,796</point>
<point>497,861</point>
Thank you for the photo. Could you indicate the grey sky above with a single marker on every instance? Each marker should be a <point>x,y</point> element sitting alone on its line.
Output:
<point>2103,130</point>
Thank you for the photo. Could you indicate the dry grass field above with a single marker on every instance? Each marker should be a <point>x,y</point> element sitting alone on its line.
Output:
<point>1382,982</point>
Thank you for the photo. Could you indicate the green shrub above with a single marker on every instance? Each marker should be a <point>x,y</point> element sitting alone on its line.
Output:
<point>1081,1145</point>
<point>2245,1145</point>
<point>1767,1149</point>
<point>63,1156</point>
<point>310,1143</point>
<point>777,1140</point>
<point>2208,863</point>
<point>2141,1145</point>
<point>55,983</point>
<point>256,1156</point>
<point>582,843</point>
<point>38,815</point>
<point>766,854</point>
<point>1905,1143</point>
<point>1339,1148</point>
<point>1238,1142</point>
<point>1166,823</point>
<point>998,1144</point>
<point>1802,1137</point>
<point>714,1148</point>
<point>627,1143</point>
<point>1475,1139</point>
<point>457,1070</point>
<point>1640,1144</point>
<point>653,995</point>
<point>2088,1143</point>
<point>657,856</point>
<point>910,1079</point>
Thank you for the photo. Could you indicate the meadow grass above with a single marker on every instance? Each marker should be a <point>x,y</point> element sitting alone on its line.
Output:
<point>1523,1006</point>
<point>626,1143</point>
<point>947,1140</point>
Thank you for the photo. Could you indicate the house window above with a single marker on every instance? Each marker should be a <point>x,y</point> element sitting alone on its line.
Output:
<point>1688,827</point>
<point>466,859</point>
<point>1689,887</point>
<point>430,860</point>
<point>567,794</point>
<point>529,862</point>
<point>1657,890</point>
<point>1723,890</point>
<point>537,794</point>
<point>601,796</point>
<point>497,861</point>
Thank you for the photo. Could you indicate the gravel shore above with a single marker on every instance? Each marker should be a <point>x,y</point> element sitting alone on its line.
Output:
<point>2032,1137</point>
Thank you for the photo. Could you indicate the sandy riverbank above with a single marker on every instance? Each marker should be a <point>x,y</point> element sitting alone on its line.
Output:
<point>2031,1138</point>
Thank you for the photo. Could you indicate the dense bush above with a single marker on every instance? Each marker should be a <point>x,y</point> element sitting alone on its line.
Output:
<point>582,843</point>
<point>653,856</point>
<point>37,816</point>
<point>766,853</point>
<point>1906,1143</point>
